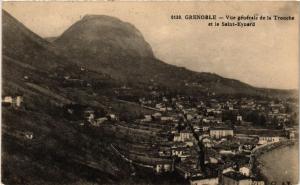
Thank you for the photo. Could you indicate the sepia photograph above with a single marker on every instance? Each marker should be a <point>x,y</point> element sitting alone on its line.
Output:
<point>150,93</point>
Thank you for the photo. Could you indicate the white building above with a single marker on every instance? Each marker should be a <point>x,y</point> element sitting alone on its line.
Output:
<point>189,117</point>
<point>177,152</point>
<point>245,170</point>
<point>112,116</point>
<point>90,118</point>
<point>220,132</point>
<point>101,120</point>
<point>157,115</point>
<point>147,118</point>
<point>7,99</point>
<point>19,100</point>
<point>269,139</point>
<point>207,142</point>
<point>239,118</point>
<point>183,136</point>
<point>167,118</point>
<point>14,102</point>
<point>163,167</point>
<point>28,135</point>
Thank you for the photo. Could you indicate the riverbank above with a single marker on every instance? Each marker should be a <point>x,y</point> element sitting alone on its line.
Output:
<point>257,152</point>
<point>278,162</point>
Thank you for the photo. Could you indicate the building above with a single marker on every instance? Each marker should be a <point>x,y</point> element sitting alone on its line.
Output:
<point>213,160</point>
<point>28,135</point>
<point>177,150</point>
<point>161,167</point>
<point>7,99</point>
<point>89,114</point>
<point>189,170</point>
<point>147,118</point>
<point>12,101</point>
<point>90,118</point>
<point>269,139</point>
<point>183,136</point>
<point>169,108</point>
<point>100,121</point>
<point>112,117</point>
<point>220,132</point>
<point>205,128</point>
<point>207,142</point>
<point>245,170</point>
<point>156,115</point>
<point>167,118</point>
<point>204,181</point>
<point>236,178</point>
<point>212,119</point>
<point>229,169</point>
<point>163,109</point>
<point>189,117</point>
<point>159,105</point>
<point>239,118</point>
<point>18,101</point>
<point>292,134</point>
<point>164,153</point>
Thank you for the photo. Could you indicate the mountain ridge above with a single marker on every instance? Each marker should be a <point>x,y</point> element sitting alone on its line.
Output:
<point>103,37</point>
<point>124,63</point>
<point>115,63</point>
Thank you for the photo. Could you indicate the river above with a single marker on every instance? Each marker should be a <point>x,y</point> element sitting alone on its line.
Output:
<point>281,164</point>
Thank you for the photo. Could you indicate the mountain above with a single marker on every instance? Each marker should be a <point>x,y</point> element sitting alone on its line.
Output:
<point>103,38</point>
<point>111,46</point>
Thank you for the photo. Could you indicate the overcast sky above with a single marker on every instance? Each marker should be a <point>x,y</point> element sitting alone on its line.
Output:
<point>265,55</point>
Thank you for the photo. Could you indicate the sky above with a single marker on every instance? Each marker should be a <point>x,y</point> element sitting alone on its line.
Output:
<point>266,55</point>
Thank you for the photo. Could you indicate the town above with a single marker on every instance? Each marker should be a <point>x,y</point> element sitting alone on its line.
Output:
<point>205,140</point>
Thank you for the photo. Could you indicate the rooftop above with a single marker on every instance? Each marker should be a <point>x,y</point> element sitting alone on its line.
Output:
<point>235,175</point>
<point>221,128</point>
<point>201,178</point>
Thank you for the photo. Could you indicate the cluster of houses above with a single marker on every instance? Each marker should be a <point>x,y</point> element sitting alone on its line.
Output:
<point>202,122</point>
<point>193,138</point>
<point>90,117</point>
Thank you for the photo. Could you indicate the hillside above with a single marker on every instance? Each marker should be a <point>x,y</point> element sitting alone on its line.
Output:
<point>60,151</point>
<point>20,43</point>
